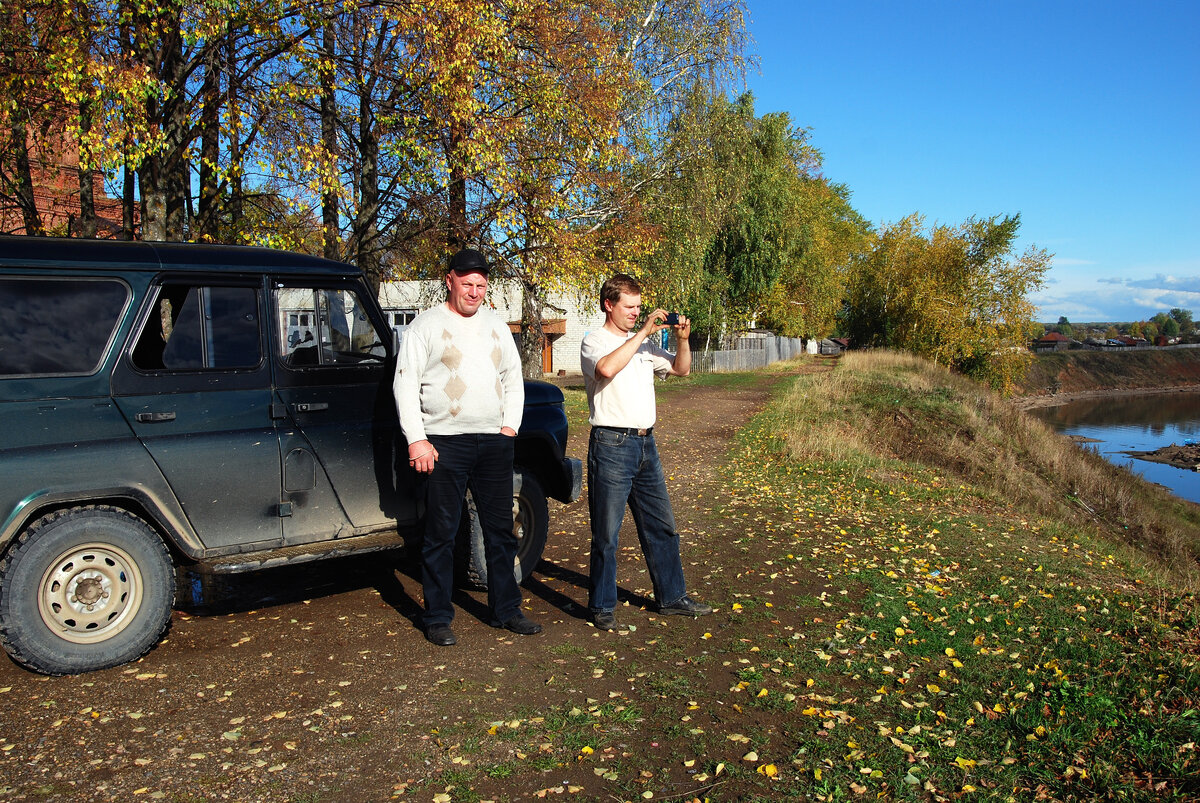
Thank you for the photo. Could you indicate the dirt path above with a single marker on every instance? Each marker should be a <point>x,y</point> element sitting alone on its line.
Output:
<point>319,686</point>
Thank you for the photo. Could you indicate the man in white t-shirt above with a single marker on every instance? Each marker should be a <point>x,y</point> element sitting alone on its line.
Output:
<point>460,396</point>
<point>619,366</point>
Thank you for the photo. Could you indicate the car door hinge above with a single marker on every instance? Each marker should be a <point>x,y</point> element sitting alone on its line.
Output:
<point>285,509</point>
<point>278,411</point>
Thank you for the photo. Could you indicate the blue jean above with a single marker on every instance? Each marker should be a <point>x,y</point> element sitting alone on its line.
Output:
<point>625,469</point>
<point>483,464</point>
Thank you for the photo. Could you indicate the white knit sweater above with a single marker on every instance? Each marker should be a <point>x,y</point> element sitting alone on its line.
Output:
<point>457,375</point>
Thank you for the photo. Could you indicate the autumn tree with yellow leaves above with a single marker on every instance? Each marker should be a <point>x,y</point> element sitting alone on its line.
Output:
<point>954,294</point>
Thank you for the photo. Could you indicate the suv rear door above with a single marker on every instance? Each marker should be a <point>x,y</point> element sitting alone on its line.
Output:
<point>195,386</point>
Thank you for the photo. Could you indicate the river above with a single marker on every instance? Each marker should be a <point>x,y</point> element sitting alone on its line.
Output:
<point>1135,424</point>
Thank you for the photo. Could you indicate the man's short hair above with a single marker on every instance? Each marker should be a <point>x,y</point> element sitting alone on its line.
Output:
<point>612,289</point>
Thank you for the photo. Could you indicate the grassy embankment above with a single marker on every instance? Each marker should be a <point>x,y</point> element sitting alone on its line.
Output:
<point>1026,626</point>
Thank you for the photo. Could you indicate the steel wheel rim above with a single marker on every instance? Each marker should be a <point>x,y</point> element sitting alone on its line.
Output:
<point>90,593</point>
<point>520,515</point>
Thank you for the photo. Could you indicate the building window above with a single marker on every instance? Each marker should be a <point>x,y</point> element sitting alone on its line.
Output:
<point>401,318</point>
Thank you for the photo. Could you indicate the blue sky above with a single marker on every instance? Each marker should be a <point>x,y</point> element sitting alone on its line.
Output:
<point>1084,117</point>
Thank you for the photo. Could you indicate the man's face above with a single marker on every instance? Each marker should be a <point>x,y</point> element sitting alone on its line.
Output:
<point>467,291</point>
<point>624,313</point>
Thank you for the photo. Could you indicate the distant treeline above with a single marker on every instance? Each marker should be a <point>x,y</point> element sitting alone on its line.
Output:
<point>1176,323</point>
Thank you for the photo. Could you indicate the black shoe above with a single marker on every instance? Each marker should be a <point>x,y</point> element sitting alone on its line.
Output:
<point>686,606</point>
<point>522,626</point>
<point>604,620</point>
<point>441,635</point>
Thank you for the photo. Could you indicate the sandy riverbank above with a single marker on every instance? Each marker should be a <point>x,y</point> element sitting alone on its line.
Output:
<point>1057,399</point>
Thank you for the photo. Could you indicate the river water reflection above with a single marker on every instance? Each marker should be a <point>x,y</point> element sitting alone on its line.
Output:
<point>1137,424</point>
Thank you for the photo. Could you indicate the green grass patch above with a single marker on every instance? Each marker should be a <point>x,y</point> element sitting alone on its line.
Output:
<point>995,644</point>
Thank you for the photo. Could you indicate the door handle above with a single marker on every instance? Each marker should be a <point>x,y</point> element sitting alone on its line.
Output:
<point>154,418</point>
<point>311,407</point>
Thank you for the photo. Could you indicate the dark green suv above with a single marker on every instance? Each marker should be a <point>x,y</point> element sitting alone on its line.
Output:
<point>186,410</point>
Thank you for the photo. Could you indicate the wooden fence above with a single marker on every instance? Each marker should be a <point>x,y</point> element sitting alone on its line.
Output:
<point>748,353</point>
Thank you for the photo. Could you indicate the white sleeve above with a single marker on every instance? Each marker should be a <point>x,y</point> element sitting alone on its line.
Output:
<point>406,386</point>
<point>589,355</point>
<point>513,381</point>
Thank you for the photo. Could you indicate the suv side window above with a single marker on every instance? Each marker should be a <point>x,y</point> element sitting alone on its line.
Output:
<point>194,327</point>
<point>57,326</point>
<point>325,326</point>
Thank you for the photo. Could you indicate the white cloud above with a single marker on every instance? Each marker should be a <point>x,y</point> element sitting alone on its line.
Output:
<point>1083,297</point>
<point>1112,302</point>
<point>1186,284</point>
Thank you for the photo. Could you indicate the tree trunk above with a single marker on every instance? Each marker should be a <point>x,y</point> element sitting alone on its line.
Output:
<point>456,223</point>
<point>151,186</point>
<point>532,335</point>
<point>128,200</point>
<point>161,178</point>
<point>331,228</point>
<point>129,52</point>
<point>208,220</point>
<point>366,223</point>
<point>154,199</point>
<point>176,125</point>
<point>24,181</point>
<point>87,176</point>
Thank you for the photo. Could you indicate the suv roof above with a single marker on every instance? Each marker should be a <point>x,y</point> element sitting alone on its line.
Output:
<point>78,254</point>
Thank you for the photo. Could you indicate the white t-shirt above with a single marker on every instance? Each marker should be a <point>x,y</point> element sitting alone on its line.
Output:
<point>457,375</point>
<point>626,400</point>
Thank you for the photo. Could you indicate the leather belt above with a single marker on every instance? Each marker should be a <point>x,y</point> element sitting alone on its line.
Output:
<point>628,430</point>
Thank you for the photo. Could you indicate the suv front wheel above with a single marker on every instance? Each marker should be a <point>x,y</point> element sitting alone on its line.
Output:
<point>531,525</point>
<point>84,588</point>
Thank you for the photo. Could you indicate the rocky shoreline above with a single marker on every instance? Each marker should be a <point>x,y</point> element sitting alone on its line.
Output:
<point>1186,456</point>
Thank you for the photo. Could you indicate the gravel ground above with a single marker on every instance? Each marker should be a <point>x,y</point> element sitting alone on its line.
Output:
<point>315,682</point>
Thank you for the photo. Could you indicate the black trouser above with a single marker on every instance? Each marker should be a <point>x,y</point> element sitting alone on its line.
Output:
<point>483,464</point>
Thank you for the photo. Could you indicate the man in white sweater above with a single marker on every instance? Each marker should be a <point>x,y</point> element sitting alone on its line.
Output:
<point>460,397</point>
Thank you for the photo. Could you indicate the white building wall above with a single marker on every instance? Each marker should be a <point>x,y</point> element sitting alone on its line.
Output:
<point>504,297</point>
<point>582,317</point>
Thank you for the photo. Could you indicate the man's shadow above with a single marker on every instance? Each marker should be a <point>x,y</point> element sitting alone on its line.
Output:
<point>282,585</point>
<point>557,599</point>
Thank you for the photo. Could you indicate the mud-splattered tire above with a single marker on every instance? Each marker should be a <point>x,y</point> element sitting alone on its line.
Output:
<point>84,588</point>
<point>531,525</point>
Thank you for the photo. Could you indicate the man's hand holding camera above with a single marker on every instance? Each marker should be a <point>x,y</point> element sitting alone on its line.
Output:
<point>660,319</point>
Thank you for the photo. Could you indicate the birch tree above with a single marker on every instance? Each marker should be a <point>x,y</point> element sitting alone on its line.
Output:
<point>956,295</point>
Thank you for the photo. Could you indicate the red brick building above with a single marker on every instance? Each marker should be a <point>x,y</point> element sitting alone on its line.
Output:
<point>56,193</point>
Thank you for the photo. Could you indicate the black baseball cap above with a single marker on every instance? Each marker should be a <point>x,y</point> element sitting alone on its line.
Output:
<point>468,260</point>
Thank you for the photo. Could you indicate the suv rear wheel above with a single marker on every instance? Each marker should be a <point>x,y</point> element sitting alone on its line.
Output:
<point>84,588</point>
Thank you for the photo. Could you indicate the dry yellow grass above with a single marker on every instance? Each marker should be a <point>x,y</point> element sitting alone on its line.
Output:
<point>878,406</point>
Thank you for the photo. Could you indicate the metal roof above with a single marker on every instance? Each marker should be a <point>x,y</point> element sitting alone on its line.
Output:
<point>85,254</point>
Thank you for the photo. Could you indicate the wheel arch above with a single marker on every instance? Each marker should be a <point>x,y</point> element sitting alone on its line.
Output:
<point>170,525</point>
<point>540,454</point>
